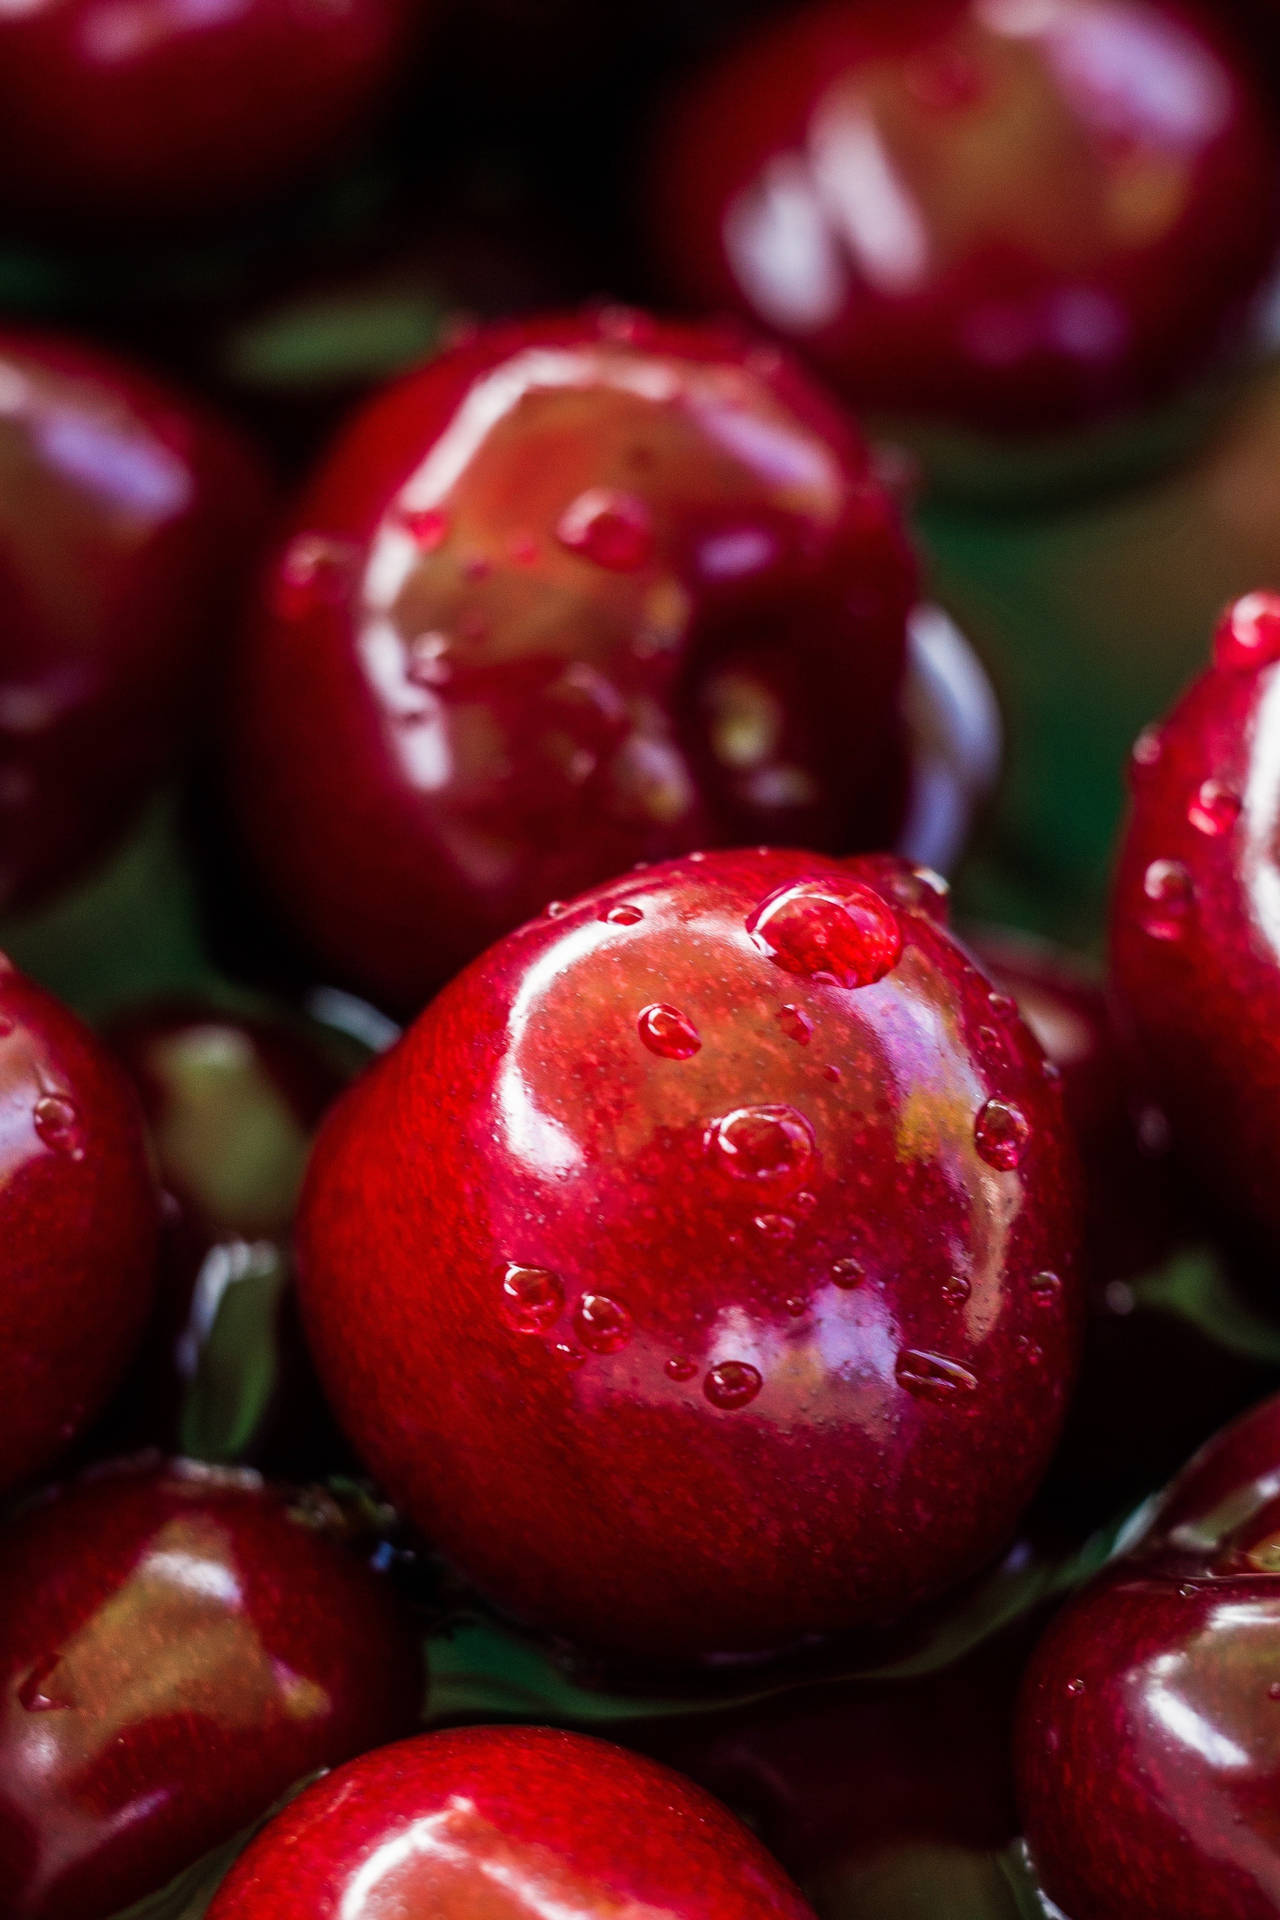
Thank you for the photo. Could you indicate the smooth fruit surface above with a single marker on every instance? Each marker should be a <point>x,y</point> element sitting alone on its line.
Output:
<point>178,1646</point>
<point>1149,1759</point>
<point>1195,934</point>
<point>127,519</point>
<point>516,1823</point>
<point>579,593</point>
<point>1009,216</point>
<point>699,1271</point>
<point>79,1211</point>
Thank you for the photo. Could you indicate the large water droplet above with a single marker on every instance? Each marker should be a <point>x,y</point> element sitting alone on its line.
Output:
<point>796,1024</point>
<point>668,1032</point>
<point>1248,634</point>
<point>1169,897</point>
<point>931,1376</point>
<point>1001,1133</point>
<point>601,1324</point>
<point>732,1384</point>
<point>1214,809</point>
<point>57,1121</point>
<point>768,1146</point>
<point>833,928</point>
<point>615,530</point>
<point>532,1298</point>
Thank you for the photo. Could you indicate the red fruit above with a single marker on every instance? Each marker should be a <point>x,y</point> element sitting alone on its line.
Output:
<point>1006,216</point>
<point>78,1205</point>
<point>1149,1753</point>
<point>157,110</point>
<point>178,1646</point>
<point>579,593</point>
<point>705,1243</point>
<point>1194,921</point>
<point>506,1820</point>
<point>126,522</point>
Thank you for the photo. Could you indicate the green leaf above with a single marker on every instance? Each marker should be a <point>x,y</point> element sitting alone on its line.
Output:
<point>1195,1287</point>
<point>335,340</point>
<point>187,1897</point>
<point>238,1362</point>
<point>921,1881</point>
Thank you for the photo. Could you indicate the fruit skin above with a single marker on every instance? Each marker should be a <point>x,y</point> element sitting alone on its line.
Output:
<point>579,1472</point>
<point>979,216</point>
<point>1149,1745</point>
<point>450,712</point>
<point>127,521</point>
<point>187,1645</point>
<point>168,114</point>
<point>519,1820</point>
<point>1192,956</point>
<point>77,1254</point>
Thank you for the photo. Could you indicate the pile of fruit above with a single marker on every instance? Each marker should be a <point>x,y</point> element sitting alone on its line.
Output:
<point>639,1211</point>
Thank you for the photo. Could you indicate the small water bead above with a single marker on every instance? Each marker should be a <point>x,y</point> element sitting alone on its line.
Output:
<point>1248,634</point>
<point>768,1146</point>
<point>956,1290</point>
<point>556,909</point>
<point>1167,889</point>
<point>805,1202</point>
<point>532,1298</point>
<point>623,915</point>
<point>680,1370</point>
<point>38,1694</point>
<point>1147,751</point>
<point>1046,1288</point>
<point>602,1325</point>
<point>571,1356</point>
<point>1001,1133</point>
<point>732,1384</point>
<point>1214,809</point>
<point>796,1024</point>
<point>931,1376</point>
<point>1002,1004</point>
<point>427,662</point>
<point>314,570</point>
<point>57,1121</point>
<point>774,1226</point>
<point>612,529</point>
<point>847,1274</point>
<point>988,1038</point>
<point>833,1074</point>
<point>833,928</point>
<point>668,1032</point>
<point>795,1306</point>
<point>1075,1688</point>
<point>1273,1691</point>
<point>427,527</point>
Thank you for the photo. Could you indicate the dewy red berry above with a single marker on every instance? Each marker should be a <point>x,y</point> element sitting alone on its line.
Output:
<point>1194,921</point>
<point>179,1645</point>
<point>1149,1760</point>
<point>506,1821</point>
<point>1013,217</point>
<point>705,1349</point>
<point>127,519</point>
<point>79,1210</point>
<point>580,593</point>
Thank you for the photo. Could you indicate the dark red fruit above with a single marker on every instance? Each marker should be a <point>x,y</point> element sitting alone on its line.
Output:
<point>1007,216</point>
<point>178,1646</point>
<point>1149,1762</point>
<point>580,593</point>
<point>78,1205</point>
<point>1194,922</point>
<point>126,523</point>
<point>518,1821</point>
<point>699,1271</point>
<point>127,113</point>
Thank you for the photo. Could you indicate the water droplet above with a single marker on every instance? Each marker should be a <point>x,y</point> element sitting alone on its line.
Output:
<point>1045,1289</point>
<point>956,1290</point>
<point>769,1146</point>
<point>796,1306</point>
<point>835,928</point>
<point>733,1384</point>
<point>1075,1688</point>
<point>313,570</point>
<point>601,1324</point>
<point>623,915</point>
<point>556,909</point>
<point>615,530</point>
<point>833,1074</point>
<point>1248,634</point>
<point>680,1370</point>
<point>427,662</point>
<point>57,1121</point>
<point>1166,886</point>
<point>774,1226</point>
<point>532,1298</point>
<point>919,889</point>
<point>1147,749</point>
<point>805,1202</point>
<point>931,1376</point>
<point>1000,1134</point>
<point>668,1032</point>
<point>1214,809</point>
<point>572,1356</point>
<point>36,1694</point>
<point>796,1024</point>
<point>988,1038</point>
<point>427,527</point>
<point>1051,1070</point>
<point>1003,1004</point>
<point>1273,1691</point>
<point>847,1274</point>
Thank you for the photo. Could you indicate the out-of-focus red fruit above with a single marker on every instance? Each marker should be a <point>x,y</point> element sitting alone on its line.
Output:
<point>178,1646</point>
<point>127,521</point>
<point>78,1205</point>
<point>580,593</point>
<point>1011,215</point>
<point>699,1271</point>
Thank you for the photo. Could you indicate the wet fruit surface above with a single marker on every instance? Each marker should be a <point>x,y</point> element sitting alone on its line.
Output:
<point>79,1207</point>
<point>580,593</point>
<point>1150,1741</point>
<point>517,1823</point>
<point>177,1647</point>
<point>636,1333</point>
<point>1008,216</point>
<point>127,519</point>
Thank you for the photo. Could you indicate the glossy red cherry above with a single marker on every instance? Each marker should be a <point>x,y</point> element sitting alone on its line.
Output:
<point>78,1204</point>
<point>707,1241</point>
<point>178,1646</point>
<point>1195,933</point>
<point>1149,1759</point>
<point>1010,216</point>
<point>579,593</point>
<point>126,521</point>
<point>127,110</point>
<point>521,1822</point>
